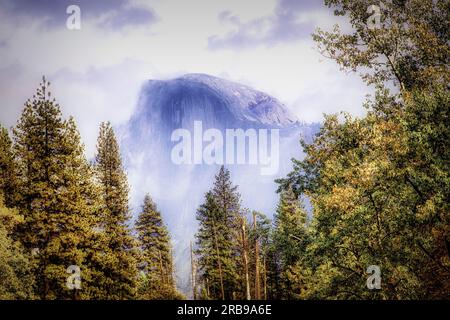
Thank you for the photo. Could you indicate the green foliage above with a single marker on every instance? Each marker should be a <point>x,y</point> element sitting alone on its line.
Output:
<point>8,180</point>
<point>16,277</point>
<point>379,200</point>
<point>216,239</point>
<point>118,261</point>
<point>155,261</point>
<point>379,186</point>
<point>55,193</point>
<point>71,214</point>
<point>290,238</point>
<point>154,289</point>
<point>409,46</point>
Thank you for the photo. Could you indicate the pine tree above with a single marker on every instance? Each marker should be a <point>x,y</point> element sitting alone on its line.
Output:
<point>272,274</point>
<point>231,220</point>
<point>55,190</point>
<point>155,263</point>
<point>218,239</point>
<point>290,238</point>
<point>119,262</point>
<point>8,179</point>
<point>210,255</point>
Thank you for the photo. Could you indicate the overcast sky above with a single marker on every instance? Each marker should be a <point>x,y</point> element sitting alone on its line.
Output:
<point>96,72</point>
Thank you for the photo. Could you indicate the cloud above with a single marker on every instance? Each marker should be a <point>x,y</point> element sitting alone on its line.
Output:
<point>109,14</point>
<point>128,16</point>
<point>342,94</point>
<point>289,22</point>
<point>91,96</point>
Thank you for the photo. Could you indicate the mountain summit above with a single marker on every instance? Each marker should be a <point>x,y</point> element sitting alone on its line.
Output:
<point>217,102</point>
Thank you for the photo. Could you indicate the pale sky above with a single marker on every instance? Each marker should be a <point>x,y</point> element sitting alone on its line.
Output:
<point>96,72</point>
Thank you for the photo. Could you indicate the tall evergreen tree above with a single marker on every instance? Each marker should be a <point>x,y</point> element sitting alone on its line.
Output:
<point>155,263</point>
<point>8,179</point>
<point>290,238</point>
<point>218,239</point>
<point>120,264</point>
<point>211,250</point>
<point>55,189</point>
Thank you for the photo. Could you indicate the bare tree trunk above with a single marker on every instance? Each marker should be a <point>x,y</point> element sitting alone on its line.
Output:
<point>207,288</point>
<point>265,277</point>
<point>219,262</point>
<point>193,275</point>
<point>245,252</point>
<point>171,270</point>
<point>257,275</point>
